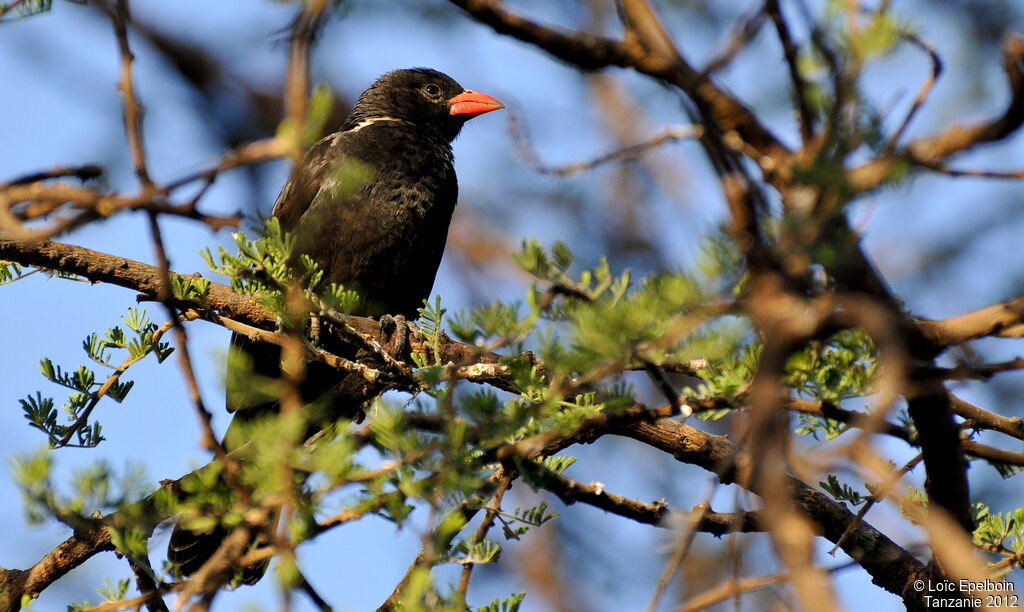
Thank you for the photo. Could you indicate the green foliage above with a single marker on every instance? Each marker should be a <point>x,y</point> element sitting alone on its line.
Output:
<point>877,35</point>
<point>519,522</point>
<point>95,488</point>
<point>191,288</point>
<point>419,595</point>
<point>114,593</point>
<point>347,177</point>
<point>261,266</point>
<point>288,574</point>
<point>26,8</point>
<point>606,317</point>
<point>109,592</point>
<point>589,330</point>
<point>32,473</point>
<point>812,424</point>
<point>10,271</point>
<point>839,368</point>
<point>486,551</point>
<point>833,94</point>
<point>321,101</point>
<point>264,268</point>
<point>996,531</point>
<point>430,326</point>
<point>509,604</point>
<point>533,258</point>
<point>728,377</point>
<point>913,504</point>
<point>86,388</point>
<point>842,492</point>
<point>490,321</point>
<point>389,430</point>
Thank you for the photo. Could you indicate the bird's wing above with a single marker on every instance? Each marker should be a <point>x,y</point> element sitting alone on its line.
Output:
<point>307,178</point>
<point>260,358</point>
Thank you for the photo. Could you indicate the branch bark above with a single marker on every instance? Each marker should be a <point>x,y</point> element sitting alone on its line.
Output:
<point>103,267</point>
<point>890,566</point>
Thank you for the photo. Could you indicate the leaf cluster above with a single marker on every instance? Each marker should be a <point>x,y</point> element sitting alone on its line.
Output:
<point>86,388</point>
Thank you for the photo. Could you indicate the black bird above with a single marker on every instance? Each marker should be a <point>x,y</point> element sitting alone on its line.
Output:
<point>371,204</point>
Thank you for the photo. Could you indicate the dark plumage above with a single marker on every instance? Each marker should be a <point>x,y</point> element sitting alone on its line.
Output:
<point>371,204</point>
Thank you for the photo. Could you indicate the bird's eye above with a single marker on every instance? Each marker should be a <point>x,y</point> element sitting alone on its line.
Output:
<point>432,90</point>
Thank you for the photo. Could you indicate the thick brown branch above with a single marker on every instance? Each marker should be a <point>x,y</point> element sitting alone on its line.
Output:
<point>994,455</point>
<point>889,565</point>
<point>71,553</point>
<point>985,419</point>
<point>721,523</point>
<point>102,267</point>
<point>1005,319</point>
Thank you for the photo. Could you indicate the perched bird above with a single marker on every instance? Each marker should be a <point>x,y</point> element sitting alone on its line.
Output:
<point>371,204</point>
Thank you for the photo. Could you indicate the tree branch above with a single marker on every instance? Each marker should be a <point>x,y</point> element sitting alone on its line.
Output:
<point>592,52</point>
<point>1005,319</point>
<point>890,566</point>
<point>102,267</point>
<point>68,555</point>
<point>933,150</point>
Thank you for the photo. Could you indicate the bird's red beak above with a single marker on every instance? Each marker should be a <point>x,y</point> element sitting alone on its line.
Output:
<point>473,103</point>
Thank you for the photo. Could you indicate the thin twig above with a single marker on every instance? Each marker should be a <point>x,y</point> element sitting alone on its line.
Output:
<point>730,588</point>
<point>304,30</point>
<point>249,153</point>
<point>96,395</point>
<point>942,168</point>
<point>740,38</point>
<point>658,376</point>
<point>84,172</point>
<point>209,439</point>
<point>735,587</point>
<point>130,105</point>
<point>670,133</point>
<point>493,507</point>
<point>922,94</point>
<point>881,493</point>
<point>679,552</point>
<point>791,53</point>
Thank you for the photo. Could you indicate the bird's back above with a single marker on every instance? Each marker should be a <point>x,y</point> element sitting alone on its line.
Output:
<point>372,206</point>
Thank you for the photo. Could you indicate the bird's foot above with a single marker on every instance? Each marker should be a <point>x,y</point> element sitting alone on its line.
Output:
<point>314,329</point>
<point>395,331</point>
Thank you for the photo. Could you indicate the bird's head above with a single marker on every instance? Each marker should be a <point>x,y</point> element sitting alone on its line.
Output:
<point>424,97</point>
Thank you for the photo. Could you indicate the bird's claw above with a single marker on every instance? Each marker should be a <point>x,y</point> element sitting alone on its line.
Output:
<point>394,330</point>
<point>314,329</point>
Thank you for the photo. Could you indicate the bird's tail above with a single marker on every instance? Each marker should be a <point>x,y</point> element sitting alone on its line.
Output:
<point>327,394</point>
<point>189,550</point>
